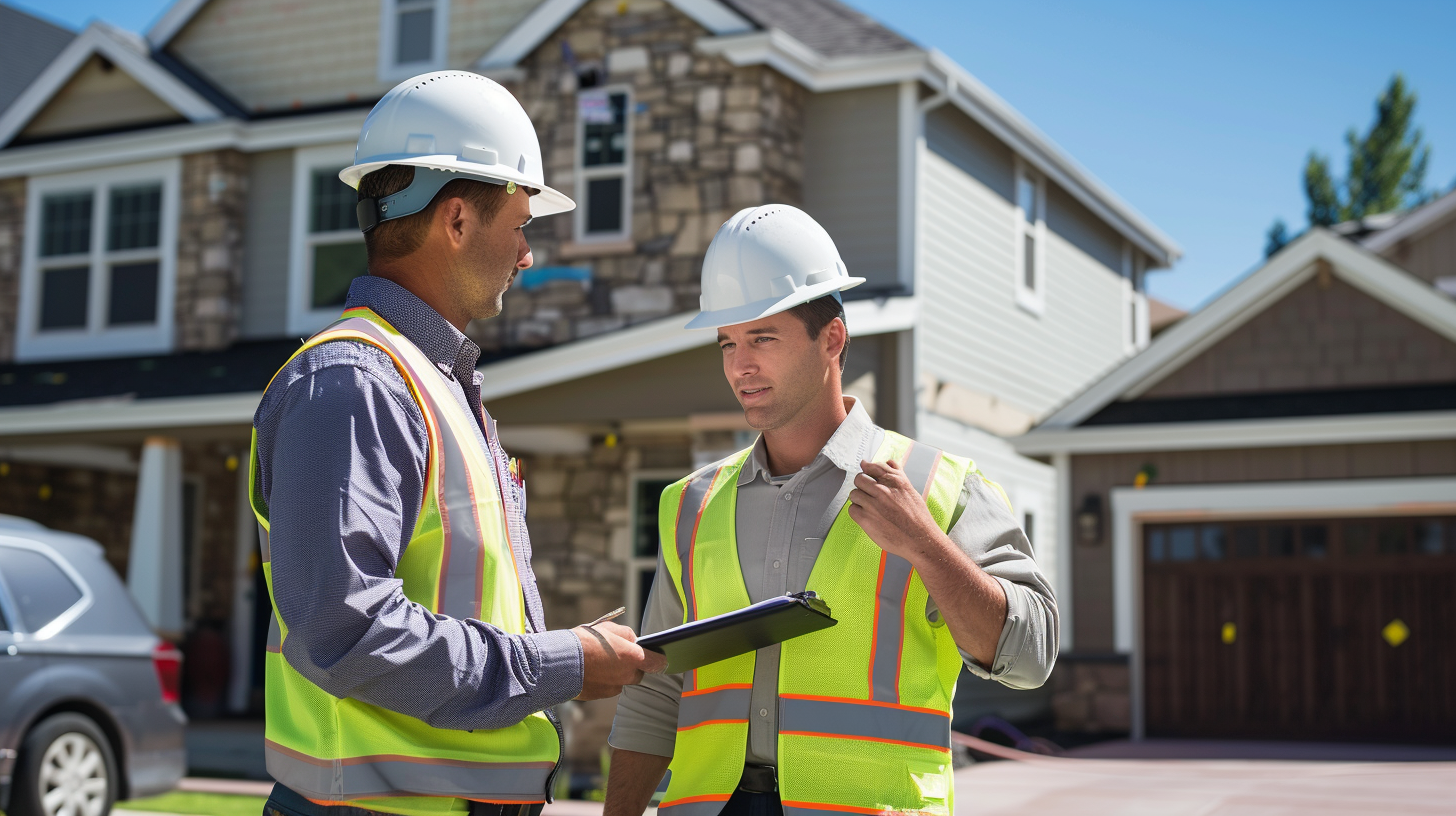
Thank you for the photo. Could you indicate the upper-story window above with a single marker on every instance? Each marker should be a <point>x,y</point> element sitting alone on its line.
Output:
<point>99,263</point>
<point>1030,233</point>
<point>604,176</point>
<point>412,37</point>
<point>1136,334</point>
<point>327,247</point>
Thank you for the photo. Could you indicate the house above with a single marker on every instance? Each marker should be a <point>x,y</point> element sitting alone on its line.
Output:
<point>176,226</point>
<point>1263,504</point>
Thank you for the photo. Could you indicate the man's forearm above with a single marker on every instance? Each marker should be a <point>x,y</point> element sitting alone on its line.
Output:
<point>972,602</point>
<point>633,778</point>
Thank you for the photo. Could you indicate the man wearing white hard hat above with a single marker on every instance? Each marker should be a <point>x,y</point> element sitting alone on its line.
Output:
<point>915,551</point>
<point>409,670</point>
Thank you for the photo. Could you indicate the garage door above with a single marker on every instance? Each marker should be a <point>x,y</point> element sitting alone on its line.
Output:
<point>1341,629</point>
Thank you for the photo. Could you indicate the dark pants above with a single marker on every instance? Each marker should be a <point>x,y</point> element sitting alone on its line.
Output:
<point>284,802</point>
<point>749,803</point>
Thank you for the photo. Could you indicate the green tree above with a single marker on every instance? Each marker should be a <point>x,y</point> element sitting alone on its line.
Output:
<point>1276,238</point>
<point>1387,168</point>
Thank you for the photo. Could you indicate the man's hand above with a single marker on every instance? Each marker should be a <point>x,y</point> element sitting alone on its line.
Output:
<point>889,508</point>
<point>612,659</point>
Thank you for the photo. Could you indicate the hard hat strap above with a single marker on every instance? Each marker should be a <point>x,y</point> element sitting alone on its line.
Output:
<point>421,191</point>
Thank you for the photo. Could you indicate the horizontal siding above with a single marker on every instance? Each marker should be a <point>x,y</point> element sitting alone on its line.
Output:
<point>850,172</point>
<point>97,99</point>
<point>277,54</point>
<point>974,333</point>
<point>1430,255</point>
<point>265,247</point>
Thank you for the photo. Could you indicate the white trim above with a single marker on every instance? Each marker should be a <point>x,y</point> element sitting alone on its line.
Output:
<point>650,341</point>
<point>809,68</point>
<point>71,613</point>
<point>910,136</point>
<point>584,174</point>
<point>178,140</point>
<point>1414,223</point>
<point>635,563</point>
<point>1132,507</point>
<point>1032,298</point>
<point>96,339</point>
<point>550,15</point>
<point>128,54</point>
<point>1240,433</point>
<point>172,21</point>
<point>303,319</point>
<point>1286,271</point>
<point>390,71</point>
<point>1066,523</point>
<point>124,414</point>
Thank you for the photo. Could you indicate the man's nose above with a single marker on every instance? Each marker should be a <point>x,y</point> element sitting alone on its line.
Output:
<point>523,256</point>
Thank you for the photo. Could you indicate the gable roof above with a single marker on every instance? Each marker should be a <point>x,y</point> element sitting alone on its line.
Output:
<point>828,27</point>
<point>1285,271</point>
<point>1413,223</point>
<point>27,46</point>
<point>123,49</point>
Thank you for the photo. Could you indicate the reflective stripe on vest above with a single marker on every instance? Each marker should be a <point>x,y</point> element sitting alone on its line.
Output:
<point>890,722</point>
<point>459,562</point>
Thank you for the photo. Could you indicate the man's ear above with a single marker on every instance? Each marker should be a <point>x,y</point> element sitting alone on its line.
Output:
<point>452,215</point>
<point>836,335</point>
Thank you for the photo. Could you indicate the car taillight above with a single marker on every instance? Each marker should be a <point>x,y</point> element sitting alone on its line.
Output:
<point>168,662</point>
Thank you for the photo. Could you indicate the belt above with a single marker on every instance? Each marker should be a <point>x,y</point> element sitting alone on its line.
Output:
<point>759,779</point>
<point>497,809</point>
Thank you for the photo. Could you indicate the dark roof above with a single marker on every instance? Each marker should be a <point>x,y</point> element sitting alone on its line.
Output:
<point>1270,404</point>
<point>27,46</point>
<point>193,79</point>
<point>827,26</point>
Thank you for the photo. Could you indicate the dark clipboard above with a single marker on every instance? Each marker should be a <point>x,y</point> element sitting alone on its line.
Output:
<point>753,627</point>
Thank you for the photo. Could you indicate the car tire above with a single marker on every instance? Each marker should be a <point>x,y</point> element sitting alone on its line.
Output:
<point>68,758</point>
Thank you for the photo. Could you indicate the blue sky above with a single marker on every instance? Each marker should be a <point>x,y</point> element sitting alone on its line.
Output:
<point>1199,113</point>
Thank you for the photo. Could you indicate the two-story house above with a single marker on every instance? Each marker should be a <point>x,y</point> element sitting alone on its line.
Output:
<point>171,225</point>
<point>1263,504</point>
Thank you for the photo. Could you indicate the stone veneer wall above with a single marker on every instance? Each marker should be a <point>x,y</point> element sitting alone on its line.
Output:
<point>98,504</point>
<point>1092,695</point>
<point>708,139</point>
<point>210,250</point>
<point>12,233</point>
<point>578,513</point>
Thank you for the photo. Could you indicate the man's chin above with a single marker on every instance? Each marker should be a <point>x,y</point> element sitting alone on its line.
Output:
<point>761,418</point>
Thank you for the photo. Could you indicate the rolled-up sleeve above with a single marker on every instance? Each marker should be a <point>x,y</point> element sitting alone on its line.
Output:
<point>342,455</point>
<point>987,532</point>
<point>646,720</point>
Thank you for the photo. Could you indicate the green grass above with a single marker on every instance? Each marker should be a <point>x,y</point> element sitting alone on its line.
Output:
<point>201,804</point>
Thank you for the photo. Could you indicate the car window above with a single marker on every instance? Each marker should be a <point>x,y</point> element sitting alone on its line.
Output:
<point>40,591</point>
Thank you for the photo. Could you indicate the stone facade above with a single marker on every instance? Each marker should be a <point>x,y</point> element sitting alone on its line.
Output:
<point>210,250</point>
<point>98,504</point>
<point>708,139</point>
<point>1092,695</point>
<point>12,242</point>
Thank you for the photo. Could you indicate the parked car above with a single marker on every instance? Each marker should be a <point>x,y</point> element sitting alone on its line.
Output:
<point>89,708</point>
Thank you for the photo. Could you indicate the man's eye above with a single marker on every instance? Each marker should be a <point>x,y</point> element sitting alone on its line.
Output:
<point>726,346</point>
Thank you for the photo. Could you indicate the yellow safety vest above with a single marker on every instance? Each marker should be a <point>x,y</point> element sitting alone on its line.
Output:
<point>864,706</point>
<point>459,562</point>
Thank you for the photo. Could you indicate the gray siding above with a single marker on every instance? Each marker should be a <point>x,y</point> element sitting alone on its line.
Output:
<point>850,177</point>
<point>265,248</point>
<point>974,333</point>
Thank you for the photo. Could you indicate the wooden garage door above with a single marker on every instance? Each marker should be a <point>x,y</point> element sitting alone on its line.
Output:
<point>1302,629</point>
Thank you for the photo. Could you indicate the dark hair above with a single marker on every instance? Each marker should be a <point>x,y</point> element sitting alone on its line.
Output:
<point>394,239</point>
<point>818,313</point>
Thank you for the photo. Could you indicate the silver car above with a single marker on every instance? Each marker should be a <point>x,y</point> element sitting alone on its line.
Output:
<point>88,693</point>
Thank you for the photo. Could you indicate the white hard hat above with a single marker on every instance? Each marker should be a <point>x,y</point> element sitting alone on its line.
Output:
<point>457,122</point>
<point>767,260</point>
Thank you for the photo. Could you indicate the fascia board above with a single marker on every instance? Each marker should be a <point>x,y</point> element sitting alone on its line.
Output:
<point>807,67</point>
<point>1195,333</point>
<point>128,414</point>
<point>172,21</point>
<point>714,16</point>
<point>1413,224</point>
<point>1265,433</point>
<point>1006,123</point>
<point>97,38</point>
<point>651,341</point>
<point>176,140</point>
<point>1400,290</point>
<point>528,34</point>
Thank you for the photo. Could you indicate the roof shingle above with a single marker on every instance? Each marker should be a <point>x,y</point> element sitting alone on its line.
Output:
<point>827,26</point>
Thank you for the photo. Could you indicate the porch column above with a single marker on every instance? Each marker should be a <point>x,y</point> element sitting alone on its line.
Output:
<point>154,567</point>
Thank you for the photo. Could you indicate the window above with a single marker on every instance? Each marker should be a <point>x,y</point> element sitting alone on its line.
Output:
<point>642,561</point>
<point>328,249</point>
<point>1136,332</point>
<point>100,251</point>
<point>40,589</point>
<point>1030,235</point>
<point>412,37</point>
<point>604,165</point>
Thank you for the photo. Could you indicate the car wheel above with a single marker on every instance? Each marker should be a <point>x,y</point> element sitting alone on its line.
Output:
<point>66,768</point>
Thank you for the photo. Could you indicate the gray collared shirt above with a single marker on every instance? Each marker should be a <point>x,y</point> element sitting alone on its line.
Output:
<point>342,449</point>
<point>781,524</point>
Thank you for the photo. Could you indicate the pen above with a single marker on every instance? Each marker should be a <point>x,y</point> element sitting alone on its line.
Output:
<point>603,619</point>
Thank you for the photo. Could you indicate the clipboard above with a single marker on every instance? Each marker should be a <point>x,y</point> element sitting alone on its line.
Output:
<point>753,627</point>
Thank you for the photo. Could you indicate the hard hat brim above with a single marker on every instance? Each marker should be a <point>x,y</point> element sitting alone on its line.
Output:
<point>760,309</point>
<point>546,202</point>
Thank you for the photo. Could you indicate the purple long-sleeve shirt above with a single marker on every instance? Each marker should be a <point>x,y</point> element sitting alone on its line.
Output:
<point>342,450</point>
